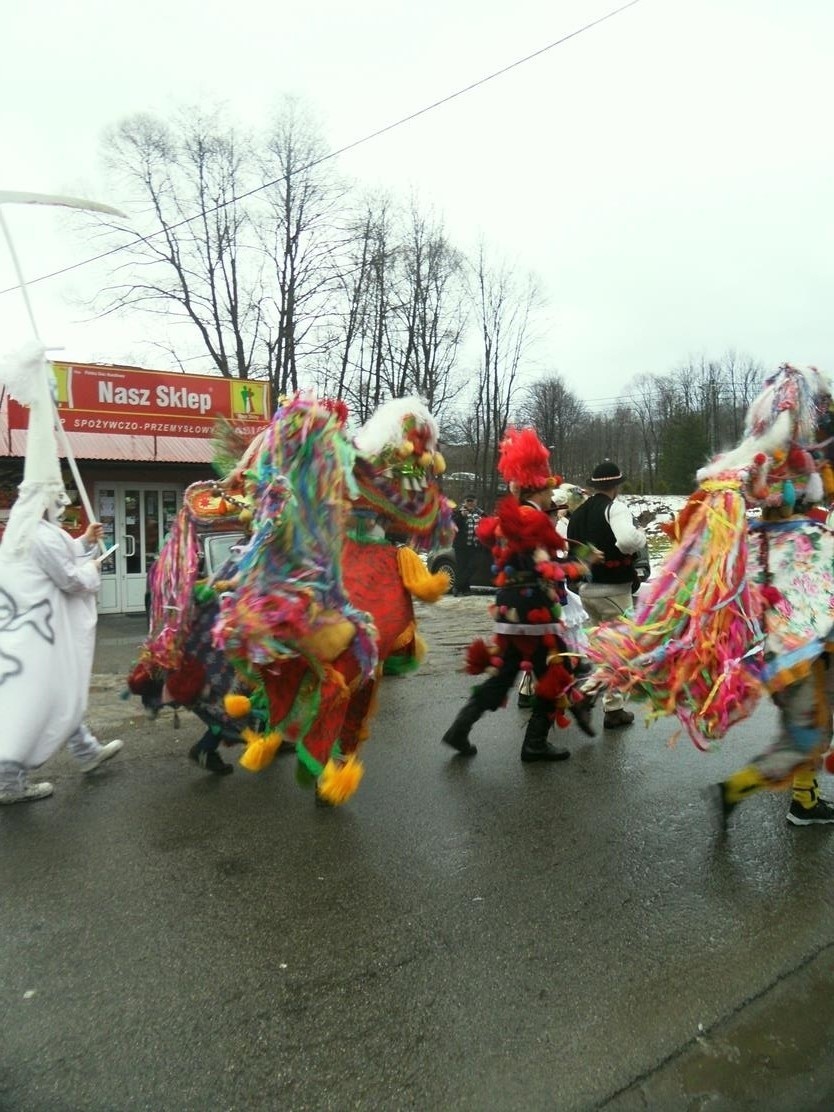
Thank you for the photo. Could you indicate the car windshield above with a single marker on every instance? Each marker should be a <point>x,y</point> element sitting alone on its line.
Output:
<point>218,548</point>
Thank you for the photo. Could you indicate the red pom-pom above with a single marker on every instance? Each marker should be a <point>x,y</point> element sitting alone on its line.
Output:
<point>561,720</point>
<point>185,685</point>
<point>828,761</point>
<point>526,665</point>
<point>478,657</point>
<point>338,408</point>
<point>556,680</point>
<point>760,459</point>
<point>141,678</point>
<point>539,616</point>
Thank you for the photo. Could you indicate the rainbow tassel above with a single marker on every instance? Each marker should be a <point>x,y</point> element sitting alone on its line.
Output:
<point>695,645</point>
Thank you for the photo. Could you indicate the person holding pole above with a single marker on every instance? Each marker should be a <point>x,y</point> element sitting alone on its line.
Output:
<point>48,586</point>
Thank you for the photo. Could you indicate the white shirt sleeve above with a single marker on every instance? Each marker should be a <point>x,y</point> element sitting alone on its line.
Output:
<point>629,538</point>
<point>55,554</point>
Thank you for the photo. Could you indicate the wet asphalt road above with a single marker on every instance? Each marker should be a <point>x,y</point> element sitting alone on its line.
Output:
<point>463,935</point>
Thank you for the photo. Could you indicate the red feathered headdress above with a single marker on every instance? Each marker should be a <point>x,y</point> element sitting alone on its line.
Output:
<point>524,460</point>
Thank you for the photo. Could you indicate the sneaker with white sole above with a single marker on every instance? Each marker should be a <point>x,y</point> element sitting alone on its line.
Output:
<point>104,754</point>
<point>821,812</point>
<point>27,794</point>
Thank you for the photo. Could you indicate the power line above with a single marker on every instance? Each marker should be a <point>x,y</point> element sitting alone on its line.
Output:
<point>334,154</point>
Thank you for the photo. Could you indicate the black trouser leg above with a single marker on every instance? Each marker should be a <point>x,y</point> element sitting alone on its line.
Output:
<point>457,736</point>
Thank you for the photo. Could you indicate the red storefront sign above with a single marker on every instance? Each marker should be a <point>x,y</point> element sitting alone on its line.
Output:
<point>123,400</point>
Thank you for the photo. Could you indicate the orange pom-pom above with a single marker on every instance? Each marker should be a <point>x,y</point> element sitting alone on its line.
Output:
<point>236,706</point>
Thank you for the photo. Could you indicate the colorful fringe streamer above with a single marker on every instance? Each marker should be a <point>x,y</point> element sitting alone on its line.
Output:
<point>695,645</point>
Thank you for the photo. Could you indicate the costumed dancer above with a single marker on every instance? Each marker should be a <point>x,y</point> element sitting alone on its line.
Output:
<point>48,586</point>
<point>738,609</point>
<point>322,599</point>
<point>179,664</point>
<point>574,614</point>
<point>530,579</point>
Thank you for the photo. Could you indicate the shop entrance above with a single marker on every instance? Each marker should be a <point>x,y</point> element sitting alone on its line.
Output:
<point>137,517</point>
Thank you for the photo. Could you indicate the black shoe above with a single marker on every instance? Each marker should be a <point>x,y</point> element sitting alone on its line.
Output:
<point>581,712</point>
<point>525,701</point>
<point>457,736</point>
<point>821,812</point>
<point>543,752</point>
<point>461,743</point>
<point>210,760</point>
<point>721,808</point>
<point>615,719</point>
<point>584,668</point>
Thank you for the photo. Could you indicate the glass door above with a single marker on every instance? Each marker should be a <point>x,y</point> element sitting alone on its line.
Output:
<point>137,518</point>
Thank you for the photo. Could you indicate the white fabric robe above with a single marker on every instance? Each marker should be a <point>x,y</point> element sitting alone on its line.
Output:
<point>47,640</point>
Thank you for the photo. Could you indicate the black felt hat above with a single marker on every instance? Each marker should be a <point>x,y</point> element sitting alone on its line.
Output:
<point>607,472</point>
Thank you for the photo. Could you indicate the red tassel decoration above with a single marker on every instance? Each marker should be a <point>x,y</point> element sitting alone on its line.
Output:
<point>478,657</point>
<point>185,685</point>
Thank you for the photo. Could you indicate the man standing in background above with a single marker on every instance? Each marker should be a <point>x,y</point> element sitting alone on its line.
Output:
<point>466,544</point>
<point>606,523</point>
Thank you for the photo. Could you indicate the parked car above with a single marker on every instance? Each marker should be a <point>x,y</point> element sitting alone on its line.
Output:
<point>443,559</point>
<point>215,549</point>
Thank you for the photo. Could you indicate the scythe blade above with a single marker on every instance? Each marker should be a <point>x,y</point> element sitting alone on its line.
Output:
<point>12,197</point>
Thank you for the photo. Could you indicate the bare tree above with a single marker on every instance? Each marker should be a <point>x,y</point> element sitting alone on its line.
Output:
<point>299,236</point>
<point>429,314</point>
<point>557,414</point>
<point>504,305</point>
<point>195,262</point>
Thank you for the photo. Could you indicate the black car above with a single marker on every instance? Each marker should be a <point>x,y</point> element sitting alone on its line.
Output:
<point>443,559</point>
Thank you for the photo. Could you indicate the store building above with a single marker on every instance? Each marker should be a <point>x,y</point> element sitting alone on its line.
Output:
<point>139,438</point>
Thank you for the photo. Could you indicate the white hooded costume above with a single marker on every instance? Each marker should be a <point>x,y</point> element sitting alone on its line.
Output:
<point>48,585</point>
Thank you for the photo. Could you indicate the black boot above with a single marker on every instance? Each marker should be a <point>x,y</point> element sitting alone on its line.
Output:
<point>536,747</point>
<point>581,712</point>
<point>457,736</point>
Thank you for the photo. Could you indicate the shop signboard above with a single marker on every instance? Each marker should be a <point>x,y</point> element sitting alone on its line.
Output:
<point>127,401</point>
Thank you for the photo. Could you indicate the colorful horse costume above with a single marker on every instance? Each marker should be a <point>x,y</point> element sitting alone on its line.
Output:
<point>318,599</point>
<point>741,608</point>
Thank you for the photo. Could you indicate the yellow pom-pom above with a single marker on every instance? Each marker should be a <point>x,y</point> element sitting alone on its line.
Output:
<point>340,779</point>
<point>236,706</point>
<point>260,749</point>
<point>439,464</point>
<point>425,459</point>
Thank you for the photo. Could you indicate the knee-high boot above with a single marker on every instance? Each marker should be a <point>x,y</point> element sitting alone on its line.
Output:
<point>457,736</point>
<point>536,747</point>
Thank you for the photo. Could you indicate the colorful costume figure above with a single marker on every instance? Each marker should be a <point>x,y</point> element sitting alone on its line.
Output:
<point>318,600</point>
<point>740,609</point>
<point>48,586</point>
<point>529,635</point>
<point>180,666</point>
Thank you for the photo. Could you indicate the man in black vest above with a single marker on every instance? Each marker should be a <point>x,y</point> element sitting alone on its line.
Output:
<point>606,523</point>
<point>466,544</point>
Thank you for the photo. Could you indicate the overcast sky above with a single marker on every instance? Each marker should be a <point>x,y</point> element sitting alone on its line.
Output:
<point>667,175</point>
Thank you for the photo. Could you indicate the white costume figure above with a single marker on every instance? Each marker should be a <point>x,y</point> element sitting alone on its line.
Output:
<point>48,585</point>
